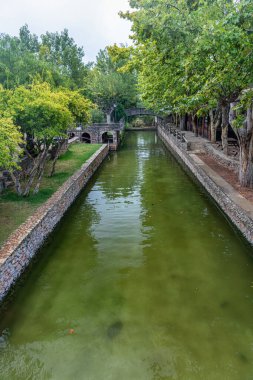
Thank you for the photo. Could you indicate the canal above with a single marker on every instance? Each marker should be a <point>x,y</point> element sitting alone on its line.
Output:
<point>143,279</point>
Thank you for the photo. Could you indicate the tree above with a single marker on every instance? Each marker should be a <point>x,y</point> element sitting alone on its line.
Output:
<point>10,144</point>
<point>194,57</point>
<point>54,58</point>
<point>79,106</point>
<point>42,114</point>
<point>80,109</point>
<point>62,54</point>
<point>109,87</point>
<point>241,118</point>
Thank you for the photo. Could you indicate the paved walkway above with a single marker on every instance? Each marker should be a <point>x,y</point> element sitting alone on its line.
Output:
<point>226,187</point>
<point>235,195</point>
<point>196,145</point>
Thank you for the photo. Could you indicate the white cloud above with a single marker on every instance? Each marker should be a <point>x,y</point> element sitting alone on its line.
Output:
<point>92,23</point>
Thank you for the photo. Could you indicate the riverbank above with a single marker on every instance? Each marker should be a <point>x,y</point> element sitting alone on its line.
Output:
<point>22,245</point>
<point>14,210</point>
<point>235,206</point>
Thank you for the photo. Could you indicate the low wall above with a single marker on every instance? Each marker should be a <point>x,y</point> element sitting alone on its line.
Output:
<point>220,157</point>
<point>239,217</point>
<point>21,247</point>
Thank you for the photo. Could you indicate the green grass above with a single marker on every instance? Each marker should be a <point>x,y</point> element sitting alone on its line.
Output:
<point>14,210</point>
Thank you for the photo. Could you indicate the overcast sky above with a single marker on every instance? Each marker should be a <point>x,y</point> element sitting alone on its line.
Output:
<point>93,24</point>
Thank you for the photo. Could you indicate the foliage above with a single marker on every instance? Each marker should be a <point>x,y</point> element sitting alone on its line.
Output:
<point>40,111</point>
<point>97,116</point>
<point>10,140</point>
<point>108,86</point>
<point>192,55</point>
<point>79,106</point>
<point>44,115</point>
<point>138,123</point>
<point>54,58</point>
<point>241,107</point>
<point>65,57</point>
<point>196,56</point>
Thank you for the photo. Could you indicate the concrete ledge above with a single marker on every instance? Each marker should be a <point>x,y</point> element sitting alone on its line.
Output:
<point>238,209</point>
<point>23,244</point>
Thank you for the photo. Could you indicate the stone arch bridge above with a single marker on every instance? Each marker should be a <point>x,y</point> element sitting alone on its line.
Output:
<point>139,112</point>
<point>98,134</point>
<point>143,112</point>
<point>106,133</point>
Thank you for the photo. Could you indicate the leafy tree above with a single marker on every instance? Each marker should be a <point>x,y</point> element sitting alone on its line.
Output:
<point>43,115</point>
<point>54,58</point>
<point>28,41</point>
<point>241,118</point>
<point>79,106</point>
<point>10,141</point>
<point>64,57</point>
<point>17,66</point>
<point>194,57</point>
<point>109,87</point>
<point>97,116</point>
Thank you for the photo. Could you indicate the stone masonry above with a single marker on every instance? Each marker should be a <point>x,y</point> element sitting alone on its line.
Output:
<point>23,244</point>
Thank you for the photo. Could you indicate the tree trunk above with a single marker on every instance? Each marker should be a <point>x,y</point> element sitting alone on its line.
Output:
<point>41,171</point>
<point>177,120</point>
<point>194,124</point>
<point>224,127</point>
<point>34,172</point>
<point>246,163</point>
<point>15,179</point>
<point>31,179</point>
<point>245,140</point>
<point>54,164</point>
<point>183,122</point>
<point>215,119</point>
<point>56,156</point>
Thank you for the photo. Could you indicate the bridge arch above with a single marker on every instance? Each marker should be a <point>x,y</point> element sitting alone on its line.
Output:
<point>86,138</point>
<point>107,137</point>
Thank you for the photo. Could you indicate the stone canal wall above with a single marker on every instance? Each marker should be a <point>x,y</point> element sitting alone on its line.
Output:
<point>235,207</point>
<point>21,247</point>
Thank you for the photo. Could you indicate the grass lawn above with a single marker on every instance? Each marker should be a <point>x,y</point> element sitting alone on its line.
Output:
<point>15,210</point>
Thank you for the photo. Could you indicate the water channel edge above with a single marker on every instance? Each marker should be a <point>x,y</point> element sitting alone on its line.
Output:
<point>238,209</point>
<point>23,244</point>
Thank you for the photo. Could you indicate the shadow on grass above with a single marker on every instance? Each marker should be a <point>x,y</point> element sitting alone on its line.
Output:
<point>34,199</point>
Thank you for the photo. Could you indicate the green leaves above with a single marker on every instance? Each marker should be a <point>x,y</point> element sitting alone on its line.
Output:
<point>108,85</point>
<point>46,113</point>
<point>54,58</point>
<point>10,140</point>
<point>192,54</point>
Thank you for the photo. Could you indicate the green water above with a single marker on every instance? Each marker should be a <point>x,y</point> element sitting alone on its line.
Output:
<point>147,272</point>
